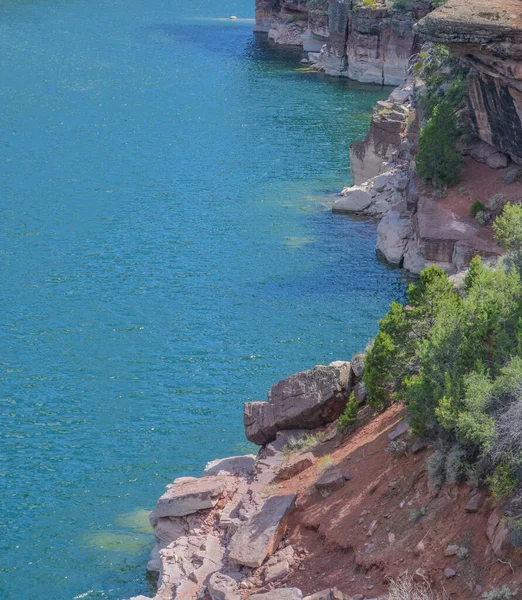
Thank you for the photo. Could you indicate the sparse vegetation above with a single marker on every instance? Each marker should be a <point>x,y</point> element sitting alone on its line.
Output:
<point>303,444</point>
<point>503,593</point>
<point>325,462</point>
<point>406,588</point>
<point>349,415</point>
<point>270,489</point>
<point>482,218</point>
<point>372,4</point>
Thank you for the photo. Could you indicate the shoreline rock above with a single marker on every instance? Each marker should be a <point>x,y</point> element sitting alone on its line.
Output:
<point>302,401</point>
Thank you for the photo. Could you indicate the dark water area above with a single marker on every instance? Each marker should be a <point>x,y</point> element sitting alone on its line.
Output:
<point>166,255</point>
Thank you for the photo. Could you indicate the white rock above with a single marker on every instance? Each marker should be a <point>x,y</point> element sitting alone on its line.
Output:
<point>233,465</point>
<point>353,199</point>
<point>393,233</point>
<point>188,495</point>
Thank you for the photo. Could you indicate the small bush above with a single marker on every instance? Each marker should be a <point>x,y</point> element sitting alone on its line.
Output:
<point>303,444</point>
<point>349,415</point>
<point>372,4</point>
<point>462,553</point>
<point>503,593</point>
<point>475,208</point>
<point>405,588</point>
<point>495,202</point>
<point>502,483</point>
<point>397,447</point>
<point>454,466</point>
<point>325,462</point>
<point>436,468</point>
<point>482,218</point>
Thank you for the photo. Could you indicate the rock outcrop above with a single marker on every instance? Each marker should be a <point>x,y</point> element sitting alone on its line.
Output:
<point>416,227</point>
<point>487,37</point>
<point>302,401</point>
<point>343,38</point>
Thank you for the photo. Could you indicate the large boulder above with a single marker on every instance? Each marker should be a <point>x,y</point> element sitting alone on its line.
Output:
<point>233,465</point>
<point>353,199</point>
<point>294,465</point>
<point>188,495</point>
<point>394,232</point>
<point>260,535</point>
<point>303,401</point>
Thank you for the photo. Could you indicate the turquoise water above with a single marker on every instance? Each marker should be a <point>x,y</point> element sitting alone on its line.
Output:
<point>165,255</point>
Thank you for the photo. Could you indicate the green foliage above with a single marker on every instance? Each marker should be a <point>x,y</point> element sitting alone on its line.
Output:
<point>437,160</point>
<point>456,361</point>
<point>502,482</point>
<point>349,415</point>
<point>436,465</point>
<point>475,208</point>
<point>475,270</point>
<point>508,234</point>
<point>372,4</point>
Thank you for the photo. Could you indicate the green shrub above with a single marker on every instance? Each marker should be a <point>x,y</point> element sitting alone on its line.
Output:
<point>456,361</point>
<point>495,202</point>
<point>454,467</point>
<point>482,218</point>
<point>502,483</point>
<point>508,233</point>
<point>437,160</point>
<point>349,415</point>
<point>475,208</point>
<point>372,4</point>
<point>436,468</point>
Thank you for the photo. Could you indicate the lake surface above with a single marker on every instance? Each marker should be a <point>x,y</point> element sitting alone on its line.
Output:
<point>166,255</point>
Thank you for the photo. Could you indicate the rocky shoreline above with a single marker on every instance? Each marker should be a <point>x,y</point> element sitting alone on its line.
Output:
<point>322,513</point>
<point>222,536</point>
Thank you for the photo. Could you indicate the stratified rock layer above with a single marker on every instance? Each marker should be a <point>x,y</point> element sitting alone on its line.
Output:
<point>302,401</point>
<point>344,38</point>
<point>486,35</point>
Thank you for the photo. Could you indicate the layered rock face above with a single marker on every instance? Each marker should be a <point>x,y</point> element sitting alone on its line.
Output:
<point>487,37</point>
<point>302,401</point>
<point>343,38</point>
